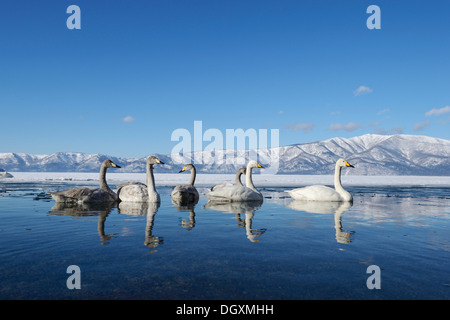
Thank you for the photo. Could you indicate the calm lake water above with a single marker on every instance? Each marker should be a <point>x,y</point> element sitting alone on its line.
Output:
<point>279,250</point>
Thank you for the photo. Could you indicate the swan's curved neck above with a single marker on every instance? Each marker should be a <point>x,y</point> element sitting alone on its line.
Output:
<point>338,185</point>
<point>103,185</point>
<point>238,179</point>
<point>337,178</point>
<point>249,180</point>
<point>150,179</point>
<point>193,175</point>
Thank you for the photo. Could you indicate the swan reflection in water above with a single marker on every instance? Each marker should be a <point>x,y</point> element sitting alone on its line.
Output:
<point>248,208</point>
<point>189,223</point>
<point>324,207</point>
<point>141,209</point>
<point>101,210</point>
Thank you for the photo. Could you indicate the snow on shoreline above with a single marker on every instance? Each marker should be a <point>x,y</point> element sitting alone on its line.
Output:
<point>207,180</point>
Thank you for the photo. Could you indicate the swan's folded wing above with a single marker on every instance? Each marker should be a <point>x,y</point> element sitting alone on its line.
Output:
<point>133,192</point>
<point>234,193</point>
<point>82,195</point>
<point>218,186</point>
<point>183,191</point>
<point>315,193</point>
<point>129,183</point>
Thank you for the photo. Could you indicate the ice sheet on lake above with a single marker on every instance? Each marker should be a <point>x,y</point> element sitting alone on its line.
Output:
<point>206,180</point>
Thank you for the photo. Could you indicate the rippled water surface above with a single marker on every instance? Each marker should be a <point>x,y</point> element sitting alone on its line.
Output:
<point>279,250</point>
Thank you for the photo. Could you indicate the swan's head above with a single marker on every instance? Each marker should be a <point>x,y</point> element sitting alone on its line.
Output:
<point>154,160</point>
<point>110,164</point>
<point>343,163</point>
<point>254,164</point>
<point>188,166</point>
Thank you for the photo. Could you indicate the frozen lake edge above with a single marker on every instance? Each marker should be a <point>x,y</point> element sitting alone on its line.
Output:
<point>262,180</point>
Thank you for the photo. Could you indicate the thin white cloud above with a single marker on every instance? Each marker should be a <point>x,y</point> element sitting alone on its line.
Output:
<point>374,124</point>
<point>383,111</point>
<point>362,90</point>
<point>383,132</point>
<point>397,130</point>
<point>305,127</point>
<point>128,119</point>
<point>351,126</point>
<point>394,130</point>
<point>438,112</point>
<point>419,126</point>
<point>444,121</point>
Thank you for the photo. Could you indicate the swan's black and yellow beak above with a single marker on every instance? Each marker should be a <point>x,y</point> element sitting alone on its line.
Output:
<point>348,164</point>
<point>115,165</point>
<point>160,162</point>
<point>259,165</point>
<point>182,170</point>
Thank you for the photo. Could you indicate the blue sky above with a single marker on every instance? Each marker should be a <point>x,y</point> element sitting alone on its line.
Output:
<point>138,70</point>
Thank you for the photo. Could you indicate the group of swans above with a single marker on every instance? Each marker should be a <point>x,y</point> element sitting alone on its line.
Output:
<point>127,192</point>
<point>188,194</point>
<point>237,192</point>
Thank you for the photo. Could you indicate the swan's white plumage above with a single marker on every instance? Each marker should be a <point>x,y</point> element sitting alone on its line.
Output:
<point>324,193</point>
<point>238,182</point>
<point>135,192</point>
<point>139,192</point>
<point>236,193</point>
<point>315,193</point>
<point>5,174</point>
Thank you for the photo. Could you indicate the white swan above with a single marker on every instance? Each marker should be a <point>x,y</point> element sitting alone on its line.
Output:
<point>237,182</point>
<point>5,174</point>
<point>138,192</point>
<point>89,195</point>
<point>235,193</point>
<point>323,193</point>
<point>186,193</point>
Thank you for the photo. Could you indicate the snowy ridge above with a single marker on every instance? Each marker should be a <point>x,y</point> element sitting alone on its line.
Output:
<point>382,155</point>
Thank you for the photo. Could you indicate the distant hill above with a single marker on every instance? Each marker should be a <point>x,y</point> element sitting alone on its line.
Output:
<point>371,154</point>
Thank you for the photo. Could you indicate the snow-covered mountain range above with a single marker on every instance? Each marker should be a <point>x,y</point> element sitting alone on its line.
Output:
<point>370,154</point>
